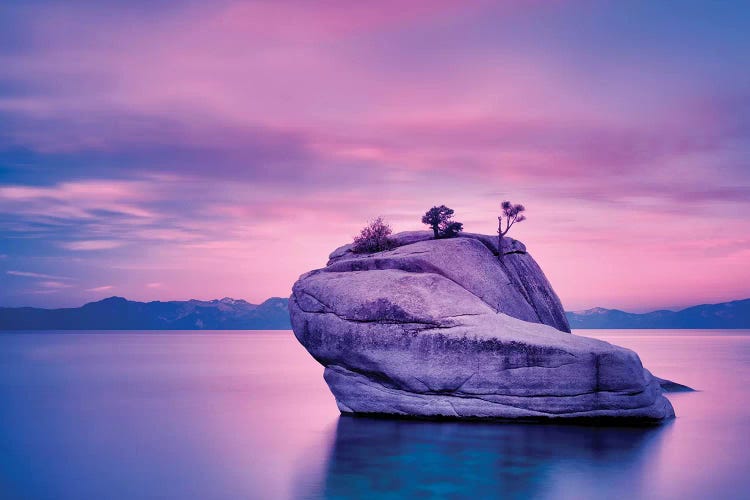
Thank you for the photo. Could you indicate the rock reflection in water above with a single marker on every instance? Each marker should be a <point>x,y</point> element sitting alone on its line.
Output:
<point>378,458</point>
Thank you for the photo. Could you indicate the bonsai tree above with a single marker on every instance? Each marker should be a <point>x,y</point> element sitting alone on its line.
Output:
<point>439,219</point>
<point>511,214</point>
<point>374,237</point>
<point>452,229</point>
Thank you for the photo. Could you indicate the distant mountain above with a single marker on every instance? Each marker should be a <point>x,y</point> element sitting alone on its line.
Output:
<point>735,314</point>
<point>117,313</point>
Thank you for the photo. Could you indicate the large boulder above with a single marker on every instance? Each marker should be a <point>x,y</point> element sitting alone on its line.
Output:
<point>458,328</point>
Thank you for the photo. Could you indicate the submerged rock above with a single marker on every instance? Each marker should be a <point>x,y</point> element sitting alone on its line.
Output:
<point>450,329</point>
<point>669,386</point>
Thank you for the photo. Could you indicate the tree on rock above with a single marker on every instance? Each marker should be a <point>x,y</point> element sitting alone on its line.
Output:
<point>374,237</point>
<point>439,219</point>
<point>452,230</point>
<point>511,214</point>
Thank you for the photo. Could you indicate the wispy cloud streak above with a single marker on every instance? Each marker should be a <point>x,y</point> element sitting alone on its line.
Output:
<point>28,274</point>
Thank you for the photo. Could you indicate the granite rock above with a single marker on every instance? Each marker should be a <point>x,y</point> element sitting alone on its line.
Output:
<point>450,328</point>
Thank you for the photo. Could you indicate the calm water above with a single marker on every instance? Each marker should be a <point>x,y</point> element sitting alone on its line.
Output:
<point>247,415</point>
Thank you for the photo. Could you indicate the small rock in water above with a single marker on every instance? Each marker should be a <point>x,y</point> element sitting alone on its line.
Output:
<point>669,386</point>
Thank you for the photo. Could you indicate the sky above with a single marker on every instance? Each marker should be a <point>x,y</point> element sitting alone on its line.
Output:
<point>163,150</point>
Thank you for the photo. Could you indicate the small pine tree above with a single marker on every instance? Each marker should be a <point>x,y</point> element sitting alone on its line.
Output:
<point>439,219</point>
<point>511,214</point>
<point>452,229</point>
<point>374,237</point>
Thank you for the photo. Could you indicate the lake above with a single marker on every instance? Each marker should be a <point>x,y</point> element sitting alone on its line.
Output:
<point>125,415</point>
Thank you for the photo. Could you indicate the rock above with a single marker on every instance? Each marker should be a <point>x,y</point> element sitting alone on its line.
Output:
<point>514,285</point>
<point>447,329</point>
<point>669,386</point>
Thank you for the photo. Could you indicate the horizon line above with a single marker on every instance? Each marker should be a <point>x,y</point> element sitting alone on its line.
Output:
<point>578,311</point>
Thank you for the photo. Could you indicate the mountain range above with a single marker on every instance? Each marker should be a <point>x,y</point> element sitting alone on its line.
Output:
<point>735,314</point>
<point>117,313</point>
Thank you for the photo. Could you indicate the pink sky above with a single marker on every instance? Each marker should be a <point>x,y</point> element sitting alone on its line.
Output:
<point>193,150</point>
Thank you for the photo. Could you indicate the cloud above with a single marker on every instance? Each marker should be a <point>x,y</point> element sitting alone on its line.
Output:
<point>103,288</point>
<point>54,284</point>
<point>37,275</point>
<point>43,291</point>
<point>153,285</point>
<point>92,245</point>
<point>166,234</point>
<point>76,200</point>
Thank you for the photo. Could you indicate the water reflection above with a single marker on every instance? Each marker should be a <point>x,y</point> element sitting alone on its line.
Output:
<point>222,415</point>
<point>377,458</point>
